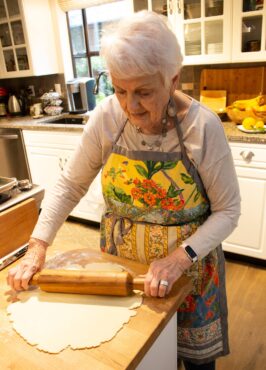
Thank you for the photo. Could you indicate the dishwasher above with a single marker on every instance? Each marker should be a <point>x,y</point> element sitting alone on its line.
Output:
<point>13,156</point>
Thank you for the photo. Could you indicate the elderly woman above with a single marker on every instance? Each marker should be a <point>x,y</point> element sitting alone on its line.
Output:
<point>168,181</point>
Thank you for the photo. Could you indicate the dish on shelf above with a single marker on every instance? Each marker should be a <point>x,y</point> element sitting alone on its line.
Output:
<point>243,129</point>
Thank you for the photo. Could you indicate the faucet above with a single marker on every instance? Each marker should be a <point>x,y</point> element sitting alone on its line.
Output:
<point>97,82</point>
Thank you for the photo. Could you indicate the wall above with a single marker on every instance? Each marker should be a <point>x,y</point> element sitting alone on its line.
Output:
<point>41,85</point>
<point>190,77</point>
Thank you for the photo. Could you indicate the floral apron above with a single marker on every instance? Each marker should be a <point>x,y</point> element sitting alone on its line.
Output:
<point>154,201</point>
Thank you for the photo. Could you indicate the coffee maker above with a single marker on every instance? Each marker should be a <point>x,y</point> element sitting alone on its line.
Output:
<point>80,94</point>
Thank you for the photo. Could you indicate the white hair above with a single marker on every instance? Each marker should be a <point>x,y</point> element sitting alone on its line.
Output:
<point>141,44</point>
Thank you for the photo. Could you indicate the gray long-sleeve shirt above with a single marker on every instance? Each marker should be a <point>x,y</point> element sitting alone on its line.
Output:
<point>206,146</point>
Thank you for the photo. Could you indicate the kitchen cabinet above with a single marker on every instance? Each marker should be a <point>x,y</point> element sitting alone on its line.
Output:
<point>202,28</point>
<point>27,45</point>
<point>221,31</point>
<point>249,238</point>
<point>164,7</point>
<point>249,31</point>
<point>48,153</point>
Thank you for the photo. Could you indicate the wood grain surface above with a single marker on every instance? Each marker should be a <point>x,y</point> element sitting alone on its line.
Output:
<point>240,83</point>
<point>124,351</point>
<point>16,225</point>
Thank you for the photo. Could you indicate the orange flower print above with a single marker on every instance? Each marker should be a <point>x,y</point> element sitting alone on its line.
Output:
<point>171,204</point>
<point>136,181</point>
<point>136,193</point>
<point>150,199</point>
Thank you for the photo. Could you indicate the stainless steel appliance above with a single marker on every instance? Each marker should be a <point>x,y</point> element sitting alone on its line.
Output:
<point>80,94</point>
<point>14,106</point>
<point>13,155</point>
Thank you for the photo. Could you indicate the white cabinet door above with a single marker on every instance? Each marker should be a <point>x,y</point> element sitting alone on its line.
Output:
<point>249,238</point>
<point>27,39</point>
<point>203,30</point>
<point>48,153</point>
<point>249,31</point>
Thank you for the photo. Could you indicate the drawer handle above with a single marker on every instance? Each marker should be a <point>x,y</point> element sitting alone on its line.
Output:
<point>247,155</point>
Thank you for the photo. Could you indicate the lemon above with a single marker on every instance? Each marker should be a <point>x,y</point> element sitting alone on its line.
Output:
<point>259,124</point>
<point>249,123</point>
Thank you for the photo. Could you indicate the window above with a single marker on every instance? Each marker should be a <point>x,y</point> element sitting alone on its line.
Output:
<point>85,27</point>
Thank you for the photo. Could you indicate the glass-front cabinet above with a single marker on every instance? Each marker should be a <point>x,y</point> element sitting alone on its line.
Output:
<point>12,38</point>
<point>202,28</point>
<point>249,30</point>
<point>27,39</point>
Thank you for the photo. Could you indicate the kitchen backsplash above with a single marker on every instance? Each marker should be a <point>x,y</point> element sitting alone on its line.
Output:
<point>190,78</point>
<point>41,85</point>
<point>190,81</point>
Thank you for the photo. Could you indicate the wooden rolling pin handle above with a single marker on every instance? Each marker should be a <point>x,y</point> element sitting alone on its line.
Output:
<point>138,283</point>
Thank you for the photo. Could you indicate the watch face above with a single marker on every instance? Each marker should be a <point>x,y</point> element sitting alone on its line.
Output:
<point>191,253</point>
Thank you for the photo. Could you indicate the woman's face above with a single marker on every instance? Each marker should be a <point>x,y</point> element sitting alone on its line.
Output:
<point>144,100</point>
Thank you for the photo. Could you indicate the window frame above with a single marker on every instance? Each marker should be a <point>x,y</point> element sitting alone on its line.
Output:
<point>88,54</point>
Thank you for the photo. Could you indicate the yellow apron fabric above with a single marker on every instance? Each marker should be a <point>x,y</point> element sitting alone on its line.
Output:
<point>154,201</point>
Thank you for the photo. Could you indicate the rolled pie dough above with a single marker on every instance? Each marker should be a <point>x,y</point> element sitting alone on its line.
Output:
<point>54,321</point>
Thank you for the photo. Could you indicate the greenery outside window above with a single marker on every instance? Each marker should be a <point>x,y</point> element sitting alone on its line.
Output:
<point>85,27</point>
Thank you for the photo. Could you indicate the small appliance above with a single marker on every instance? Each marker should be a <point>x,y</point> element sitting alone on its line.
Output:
<point>14,106</point>
<point>80,94</point>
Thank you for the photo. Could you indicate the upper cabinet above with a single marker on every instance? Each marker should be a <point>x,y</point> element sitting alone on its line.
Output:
<point>221,31</point>
<point>249,30</point>
<point>203,30</point>
<point>27,42</point>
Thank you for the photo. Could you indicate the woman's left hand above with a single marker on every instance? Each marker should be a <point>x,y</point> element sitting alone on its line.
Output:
<point>163,273</point>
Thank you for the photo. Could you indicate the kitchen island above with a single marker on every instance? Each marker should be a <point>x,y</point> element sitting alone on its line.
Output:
<point>134,347</point>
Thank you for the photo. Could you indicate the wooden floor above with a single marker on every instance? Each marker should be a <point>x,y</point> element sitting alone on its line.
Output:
<point>246,291</point>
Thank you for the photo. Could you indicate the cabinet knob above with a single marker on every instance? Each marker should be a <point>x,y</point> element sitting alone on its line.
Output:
<point>247,155</point>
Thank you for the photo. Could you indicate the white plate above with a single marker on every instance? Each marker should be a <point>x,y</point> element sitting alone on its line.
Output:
<point>242,128</point>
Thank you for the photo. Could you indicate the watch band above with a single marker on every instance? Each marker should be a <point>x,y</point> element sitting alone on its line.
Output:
<point>190,252</point>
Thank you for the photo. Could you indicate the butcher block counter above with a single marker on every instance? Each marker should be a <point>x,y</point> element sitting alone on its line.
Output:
<point>127,350</point>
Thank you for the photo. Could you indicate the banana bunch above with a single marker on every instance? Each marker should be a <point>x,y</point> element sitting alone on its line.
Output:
<point>249,104</point>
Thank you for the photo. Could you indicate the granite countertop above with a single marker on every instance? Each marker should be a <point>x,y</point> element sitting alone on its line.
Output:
<point>28,123</point>
<point>235,135</point>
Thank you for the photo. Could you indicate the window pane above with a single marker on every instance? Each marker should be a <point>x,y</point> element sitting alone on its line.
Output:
<point>102,15</point>
<point>214,37</point>
<point>17,32</point>
<point>82,67</point>
<point>77,32</point>
<point>5,35</point>
<point>22,58</point>
<point>2,10</point>
<point>10,60</point>
<point>192,9</point>
<point>105,87</point>
<point>13,8</point>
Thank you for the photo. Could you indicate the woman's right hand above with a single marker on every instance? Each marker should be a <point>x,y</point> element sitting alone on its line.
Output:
<point>18,277</point>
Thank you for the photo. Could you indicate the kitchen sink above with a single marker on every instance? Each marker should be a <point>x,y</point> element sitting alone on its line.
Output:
<point>66,120</point>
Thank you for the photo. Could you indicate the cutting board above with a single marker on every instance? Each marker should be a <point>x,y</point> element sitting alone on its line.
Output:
<point>240,83</point>
<point>124,351</point>
<point>214,99</point>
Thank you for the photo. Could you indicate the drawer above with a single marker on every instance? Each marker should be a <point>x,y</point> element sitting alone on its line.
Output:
<point>251,155</point>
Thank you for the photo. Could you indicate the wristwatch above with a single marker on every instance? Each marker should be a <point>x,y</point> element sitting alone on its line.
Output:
<point>190,253</point>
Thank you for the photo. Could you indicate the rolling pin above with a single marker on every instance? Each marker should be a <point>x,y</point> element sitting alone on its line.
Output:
<point>87,282</point>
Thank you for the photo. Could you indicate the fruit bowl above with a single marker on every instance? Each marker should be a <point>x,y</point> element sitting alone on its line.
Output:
<point>237,115</point>
<point>261,115</point>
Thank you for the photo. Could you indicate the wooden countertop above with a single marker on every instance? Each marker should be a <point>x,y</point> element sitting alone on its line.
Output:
<point>124,351</point>
<point>28,123</point>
